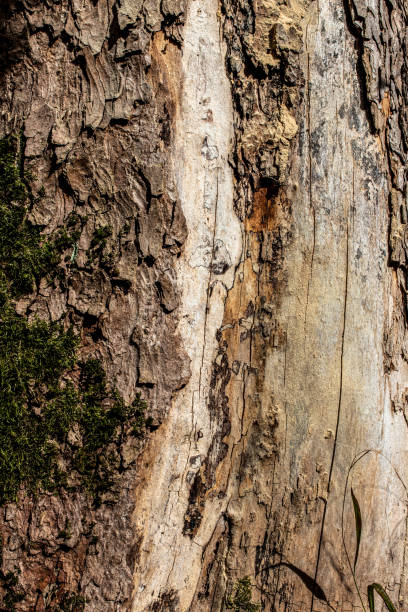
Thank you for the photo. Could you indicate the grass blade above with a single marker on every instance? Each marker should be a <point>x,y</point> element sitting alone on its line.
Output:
<point>307,580</point>
<point>381,592</point>
<point>370,596</point>
<point>359,525</point>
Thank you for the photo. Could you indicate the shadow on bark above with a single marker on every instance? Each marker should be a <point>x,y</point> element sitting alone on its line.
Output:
<point>13,34</point>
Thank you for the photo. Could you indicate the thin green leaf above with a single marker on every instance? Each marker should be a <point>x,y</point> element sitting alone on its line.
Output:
<point>359,525</point>
<point>370,596</point>
<point>381,592</point>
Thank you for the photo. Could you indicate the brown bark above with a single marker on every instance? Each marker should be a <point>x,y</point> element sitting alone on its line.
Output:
<point>91,86</point>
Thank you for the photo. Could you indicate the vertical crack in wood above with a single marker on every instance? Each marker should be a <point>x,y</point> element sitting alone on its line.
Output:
<point>338,419</point>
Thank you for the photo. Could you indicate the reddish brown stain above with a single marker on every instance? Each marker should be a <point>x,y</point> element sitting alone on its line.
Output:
<point>268,210</point>
<point>165,72</point>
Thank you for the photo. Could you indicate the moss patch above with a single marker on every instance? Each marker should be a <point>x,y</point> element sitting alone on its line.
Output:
<point>241,597</point>
<point>58,417</point>
<point>25,257</point>
<point>98,253</point>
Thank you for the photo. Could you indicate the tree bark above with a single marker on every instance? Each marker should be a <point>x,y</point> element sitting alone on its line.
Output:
<point>249,160</point>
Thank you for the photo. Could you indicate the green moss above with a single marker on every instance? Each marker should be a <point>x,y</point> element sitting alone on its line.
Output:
<point>100,235</point>
<point>25,256</point>
<point>35,407</point>
<point>97,253</point>
<point>39,406</point>
<point>39,403</point>
<point>241,597</point>
<point>102,425</point>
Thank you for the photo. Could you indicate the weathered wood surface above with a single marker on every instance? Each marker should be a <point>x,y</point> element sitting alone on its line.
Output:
<point>257,152</point>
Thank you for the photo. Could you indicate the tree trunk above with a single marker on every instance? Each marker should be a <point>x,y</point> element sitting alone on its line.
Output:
<point>238,172</point>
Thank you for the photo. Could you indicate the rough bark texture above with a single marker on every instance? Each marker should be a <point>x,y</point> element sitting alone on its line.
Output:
<point>249,160</point>
<point>91,86</point>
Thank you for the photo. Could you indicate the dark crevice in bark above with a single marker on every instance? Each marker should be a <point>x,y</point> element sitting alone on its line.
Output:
<point>356,32</point>
<point>386,101</point>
